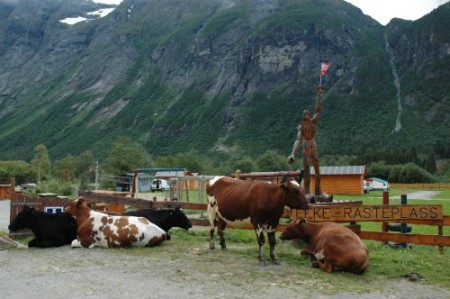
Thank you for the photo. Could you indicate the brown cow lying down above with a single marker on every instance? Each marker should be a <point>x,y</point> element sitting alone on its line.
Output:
<point>333,247</point>
<point>103,230</point>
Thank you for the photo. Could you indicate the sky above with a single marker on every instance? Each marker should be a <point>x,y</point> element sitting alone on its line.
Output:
<point>115,2</point>
<point>384,10</point>
<point>381,10</point>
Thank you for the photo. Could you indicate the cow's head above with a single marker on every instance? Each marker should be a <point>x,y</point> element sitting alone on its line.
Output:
<point>77,205</point>
<point>23,220</point>
<point>296,231</point>
<point>294,195</point>
<point>179,218</point>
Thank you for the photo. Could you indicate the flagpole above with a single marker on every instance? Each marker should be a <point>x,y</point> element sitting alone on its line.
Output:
<point>319,88</point>
<point>323,70</point>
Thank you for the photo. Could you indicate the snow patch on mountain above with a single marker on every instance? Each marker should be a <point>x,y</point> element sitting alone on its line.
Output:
<point>100,13</point>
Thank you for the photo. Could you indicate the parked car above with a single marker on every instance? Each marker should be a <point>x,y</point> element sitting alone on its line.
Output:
<point>367,187</point>
<point>375,184</point>
<point>28,186</point>
<point>160,185</point>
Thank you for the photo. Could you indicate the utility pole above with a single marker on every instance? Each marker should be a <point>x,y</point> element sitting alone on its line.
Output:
<point>96,175</point>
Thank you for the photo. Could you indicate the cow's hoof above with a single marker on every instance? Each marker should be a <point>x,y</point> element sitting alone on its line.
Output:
<point>276,262</point>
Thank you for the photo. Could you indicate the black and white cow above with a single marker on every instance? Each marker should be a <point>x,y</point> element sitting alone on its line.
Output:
<point>164,218</point>
<point>50,230</point>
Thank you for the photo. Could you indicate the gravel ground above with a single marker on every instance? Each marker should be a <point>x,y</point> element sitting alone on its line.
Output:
<point>175,270</point>
<point>424,195</point>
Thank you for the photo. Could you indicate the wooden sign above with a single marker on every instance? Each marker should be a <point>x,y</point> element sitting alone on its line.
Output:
<point>349,213</point>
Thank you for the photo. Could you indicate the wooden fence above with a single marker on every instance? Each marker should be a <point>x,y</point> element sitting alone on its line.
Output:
<point>421,186</point>
<point>5,191</point>
<point>351,212</point>
<point>18,200</point>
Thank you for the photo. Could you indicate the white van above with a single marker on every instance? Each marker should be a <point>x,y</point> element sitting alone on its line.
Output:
<point>160,185</point>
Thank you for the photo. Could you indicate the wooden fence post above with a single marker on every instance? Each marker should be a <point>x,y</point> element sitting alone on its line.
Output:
<point>385,225</point>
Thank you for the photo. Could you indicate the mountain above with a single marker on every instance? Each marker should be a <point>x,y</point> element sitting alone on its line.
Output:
<point>218,76</point>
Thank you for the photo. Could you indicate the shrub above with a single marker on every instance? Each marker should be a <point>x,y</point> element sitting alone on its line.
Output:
<point>409,173</point>
<point>55,186</point>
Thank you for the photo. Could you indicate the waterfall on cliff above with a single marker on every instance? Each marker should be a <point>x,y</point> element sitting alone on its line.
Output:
<point>390,54</point>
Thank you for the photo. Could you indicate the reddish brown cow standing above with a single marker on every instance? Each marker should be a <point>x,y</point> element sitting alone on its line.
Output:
<point>257,202</point>
<point>333,246</point>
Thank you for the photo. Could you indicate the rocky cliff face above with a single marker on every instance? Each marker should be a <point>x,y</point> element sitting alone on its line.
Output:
<point>422,58</point>
<point>211,75</point>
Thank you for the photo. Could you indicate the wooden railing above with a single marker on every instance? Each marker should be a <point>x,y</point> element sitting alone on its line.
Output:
<point>352,212</point>
<point>421,186</point>
<point>6,191</point>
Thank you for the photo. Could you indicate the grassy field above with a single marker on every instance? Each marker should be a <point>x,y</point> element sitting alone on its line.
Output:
<point>386,262</point>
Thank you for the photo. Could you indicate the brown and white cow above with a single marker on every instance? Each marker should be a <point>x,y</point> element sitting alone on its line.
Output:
<point>334,247</point>
<point>256,202</point>
<point>102,230</point>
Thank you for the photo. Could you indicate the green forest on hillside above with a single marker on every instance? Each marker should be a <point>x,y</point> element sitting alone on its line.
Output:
<point>64,175</point>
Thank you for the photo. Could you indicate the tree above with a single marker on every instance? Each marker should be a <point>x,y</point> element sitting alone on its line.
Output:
<point>20,170</point>
<point>245,164</point>
<point>413,157</point>
<point>165,161</point>
<point>272,161</point>
<point>125,156</point>
<point>41,164</point>
<point>337,160</point>
<point>416,174</point>
<point>442,149</point>
<point>85,168</point>
<point>65,169</point>
<point>409,173</point>
<point>4,177</point>
<point>379,169</point>
<point>190,160</point>
<point>430,162</point>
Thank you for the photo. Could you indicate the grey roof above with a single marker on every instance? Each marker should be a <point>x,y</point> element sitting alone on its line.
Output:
<point>140,175</point>
<point>169,174</point>
<point>340,170</point>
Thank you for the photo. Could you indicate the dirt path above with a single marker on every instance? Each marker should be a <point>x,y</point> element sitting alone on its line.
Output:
<point>164,273</point>
<point>424,195</point>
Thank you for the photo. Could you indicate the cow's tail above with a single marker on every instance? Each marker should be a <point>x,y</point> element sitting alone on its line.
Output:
<point>212,215</point>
